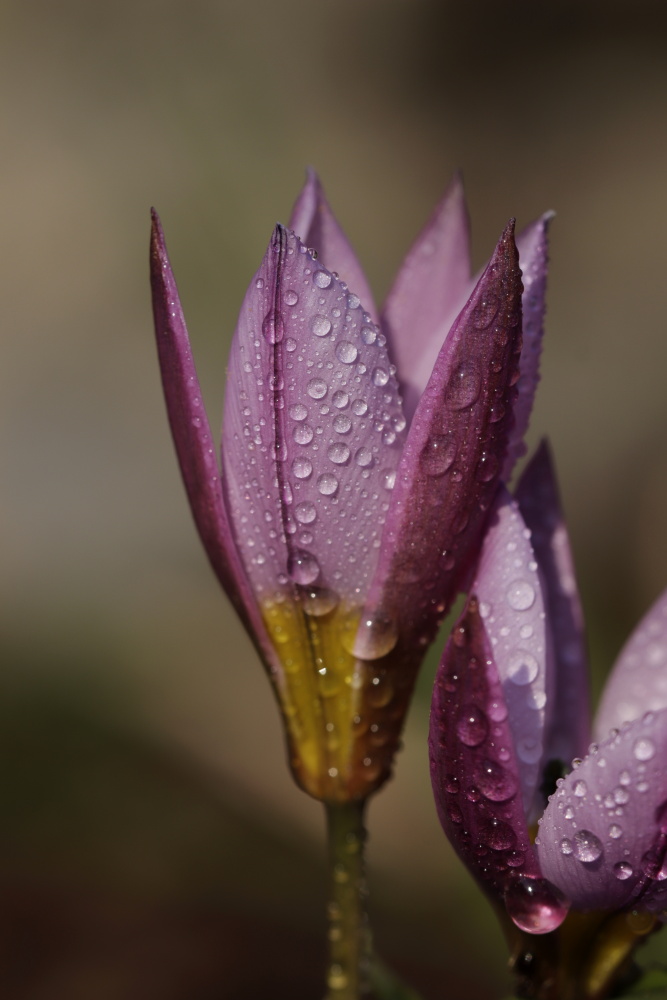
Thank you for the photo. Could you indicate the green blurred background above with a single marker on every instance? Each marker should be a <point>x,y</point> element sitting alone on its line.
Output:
<point>153,845</point>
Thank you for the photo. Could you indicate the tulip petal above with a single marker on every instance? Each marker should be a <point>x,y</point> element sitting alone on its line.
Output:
<point>316,226</point>
<point>194,443</point>
<point>638,681</point>
<point>597,838</point>
<point>429,291</point>
<point>448,475</point>
<point>511,604</point>
<point>537,495</point>
<point>533,256</point>
<point>474,769</point>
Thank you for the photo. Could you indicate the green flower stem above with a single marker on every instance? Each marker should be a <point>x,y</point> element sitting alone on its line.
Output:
<point>349,935</point>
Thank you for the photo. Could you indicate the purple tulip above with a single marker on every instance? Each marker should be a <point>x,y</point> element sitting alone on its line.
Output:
<point>510,709</point>
<point>342,523</point>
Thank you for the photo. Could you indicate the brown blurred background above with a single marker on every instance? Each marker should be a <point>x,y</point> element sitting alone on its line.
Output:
<point>153,845</point>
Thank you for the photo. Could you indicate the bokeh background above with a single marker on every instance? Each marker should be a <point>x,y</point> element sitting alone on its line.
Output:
<point>153,845</point>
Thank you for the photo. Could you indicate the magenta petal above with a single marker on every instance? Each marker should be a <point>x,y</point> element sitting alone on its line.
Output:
<point>312,432</point>
<point>598,833</point>
<point>638,682</point>
<point>317,227</point>
<point>474,770</point>
<point>537,494</point>
<point>429,291</point>
<point>511,604</point>
<point>194,442</point>
<point>448,475</point>
<point>533,255</point>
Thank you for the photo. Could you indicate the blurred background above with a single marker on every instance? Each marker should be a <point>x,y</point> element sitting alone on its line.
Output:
<point>153,845</point>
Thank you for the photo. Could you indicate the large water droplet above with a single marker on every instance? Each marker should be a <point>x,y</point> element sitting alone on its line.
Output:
<point>535,905</point>
<point>338,453</point>
<point>566,847</point>
<point>495,782</point>
<point>497,835</point>
<point>380,377</point>
<point>322,279</point>
<point>316,388</point>
<point>587,847</point>
<point>622,870</point>
<point>364,457</point>
<point>291,297</point>
<point>273,327</point>
<point>472,726</point>
<point>520,595</point>
<point>340,399</point>
<point>303,434</point>
<point>327,484</point>
<point>301,467</point>
<point>438,454</point>
<point>368,334</point>
<point>346,352</point>
<point>303,567</point>
<point>580,788</point>
<point>522,667</point>
<point>464,386</point>
<point>320,326</point>
<point>342,424</point>
<point>371,637</point>
<point>298,411</point>
<point>305,512</point>
<point>319,601</point>
<point>643,749</point>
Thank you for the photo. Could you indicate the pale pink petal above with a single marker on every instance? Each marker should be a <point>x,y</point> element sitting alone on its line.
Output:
<point>428,293</point>
<point>537,494</point>
<point>638,682</point>
<point>317,227</point>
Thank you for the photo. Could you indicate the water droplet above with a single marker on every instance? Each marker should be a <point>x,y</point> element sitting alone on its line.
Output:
<point>495,782</point>
<point>438,454</point>
<point>371,637</point>
<point>535,905</point>
<point>322,279</point>
<point>622,870</point>
<point>303,567</point>
<point>353,301</point>
<point>580,789</point>
<point>298,411</point>
<point>340,399</point>
<point>472,726</point>
<point>520,595</point>
<point>379,377</point>
<point>303,434</point>
<point>487,468</point>
<point>587,847</point>
<point>364,457</point>
<point>305,512</point>
<point>529,750</point>
<point>342,424</point>
<point>643,749</point>
<point>464,386</point>
<point>319,601</point>
<point>259,283</point>
<point>566,846</point>
<point>338,453</point>
<point>273,327</point>
<point>485,312</point>
<point>346,352</point>
<point>368,334</point>
<point>522,668</point>
<point>615,831</point>
<point>320,325</point>
<point>389,479</point>
<point>327,484</point>
<point>291,298</point>
<point>497,835</point>
<point>301,467</point>
<point>526,631</point>
<point>360,407</point>
<point>316,388</point>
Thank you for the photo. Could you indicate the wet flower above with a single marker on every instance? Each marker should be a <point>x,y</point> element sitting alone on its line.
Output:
<point>342,521</point>
<point>510,730</point>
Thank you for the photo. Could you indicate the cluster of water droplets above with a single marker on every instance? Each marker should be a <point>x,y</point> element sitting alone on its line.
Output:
<point>476,780</point>
<point>602,832</point>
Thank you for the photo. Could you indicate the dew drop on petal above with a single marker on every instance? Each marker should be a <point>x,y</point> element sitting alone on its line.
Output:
<point>580,789</point>
<point>438,454</point>
<point>327,484</point>
<point>535,905</point>
<point>301,467</point>
<point>342,424</point>
<point>298,411</point>
<point>587,847</point>
<point>373,637</point>
<point>520,595</point>
<point>338,453</point>
<point>320,325</point>
<point>464,386</point>
<point>622,870</point>
<point>322,279</point>
<point>319,601</point>
<point>305,512</point>
<point>643,749</point>
<point>472,726</point>
<point>566,846</point>
<point>303,434</point>
<point>360,407</point>
<point>316,388</point>
<point>364,457</point>
<point>340,399</point>
<point>303,567</point>
<point>522,668</point>
<point>368,334</point>
<point>379,377</point>
<point>291,297</point>
<point>495,782</point>
<point>346,352</point>
<point>273,327</point>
